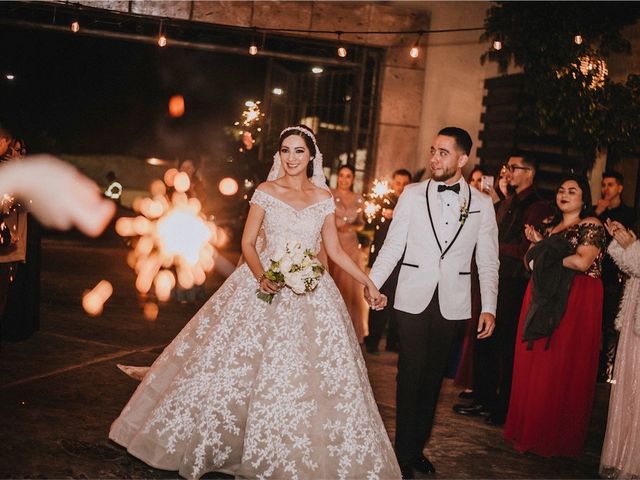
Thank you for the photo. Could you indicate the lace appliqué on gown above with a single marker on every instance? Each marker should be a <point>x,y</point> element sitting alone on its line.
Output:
<point>263,391</point>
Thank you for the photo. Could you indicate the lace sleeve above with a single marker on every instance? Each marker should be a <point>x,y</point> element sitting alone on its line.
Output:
<point>328,207</point>
<point>593,235</point>
<point>261,199</point>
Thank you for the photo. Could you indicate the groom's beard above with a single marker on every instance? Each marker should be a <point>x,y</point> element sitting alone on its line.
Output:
<point>444,176</point>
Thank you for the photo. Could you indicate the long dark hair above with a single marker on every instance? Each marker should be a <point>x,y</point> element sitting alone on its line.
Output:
<point>307,140</point>
<point>352,170</point>
<point>587,207</point>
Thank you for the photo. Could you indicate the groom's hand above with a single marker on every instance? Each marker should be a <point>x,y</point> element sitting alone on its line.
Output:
<point>486,325</point>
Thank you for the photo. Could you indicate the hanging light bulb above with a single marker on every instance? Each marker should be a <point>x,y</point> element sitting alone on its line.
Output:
<point>415,50</point>
<point>75,26</point>
<point>577,39</point>
<point>342,51</point>
<point>253,49</point>
<point>162,40</point>
<point>497,45</point>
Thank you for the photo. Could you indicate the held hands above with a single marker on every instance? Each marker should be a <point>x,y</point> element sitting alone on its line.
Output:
<point>621,235</point>
<point>532,234</point>
<point>374,298</point>
<point>486,325</point>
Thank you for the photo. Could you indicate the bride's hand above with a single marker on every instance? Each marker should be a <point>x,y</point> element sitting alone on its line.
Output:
<point>375,299</point>
<point>269,286</point>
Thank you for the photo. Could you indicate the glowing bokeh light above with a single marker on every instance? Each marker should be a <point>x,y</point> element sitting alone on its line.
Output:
<point>176,106</point>
<point>183,234</point>
<point>228,186</point>
<point>181,182</point>
<point>94,300</point>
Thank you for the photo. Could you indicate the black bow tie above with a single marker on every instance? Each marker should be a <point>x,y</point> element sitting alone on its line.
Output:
<point>455,188</point>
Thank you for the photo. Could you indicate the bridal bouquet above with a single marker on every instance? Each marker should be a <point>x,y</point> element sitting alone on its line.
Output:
<point>295,268</point>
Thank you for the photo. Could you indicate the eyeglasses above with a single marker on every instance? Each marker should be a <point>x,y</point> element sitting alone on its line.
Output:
<point>513,168</point>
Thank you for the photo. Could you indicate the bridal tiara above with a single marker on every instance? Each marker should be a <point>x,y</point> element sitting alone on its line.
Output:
<point>308,133</point>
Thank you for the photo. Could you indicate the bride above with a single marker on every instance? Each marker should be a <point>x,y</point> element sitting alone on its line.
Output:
<point>267,390</point>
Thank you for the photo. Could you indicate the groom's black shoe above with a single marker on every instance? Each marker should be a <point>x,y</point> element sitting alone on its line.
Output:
<point>472,410</point>
<point>406,471</point>
<point>423,465</point>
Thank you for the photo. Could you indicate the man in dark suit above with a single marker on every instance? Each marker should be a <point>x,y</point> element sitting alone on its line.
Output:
<point>379,319</point>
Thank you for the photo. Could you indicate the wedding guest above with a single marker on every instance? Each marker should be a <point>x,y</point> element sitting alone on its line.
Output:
<point>500,189</point>
<point>464,370</point>
<point>20,265</point>
<point>494,356</point>
<point>349,221</point>
<point>621,449</point>
<point>611,207</point>
<point>556,357</point>
<point>379,320</point>
<point>475,177</point>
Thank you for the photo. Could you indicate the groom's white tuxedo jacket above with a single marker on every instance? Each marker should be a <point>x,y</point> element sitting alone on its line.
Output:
<point>437,240</point>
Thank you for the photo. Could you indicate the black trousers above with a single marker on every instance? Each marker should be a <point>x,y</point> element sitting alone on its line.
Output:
<point>494,356</point>
<point>425,345</point>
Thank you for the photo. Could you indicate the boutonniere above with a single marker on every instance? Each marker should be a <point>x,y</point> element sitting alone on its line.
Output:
<point>464,210</point>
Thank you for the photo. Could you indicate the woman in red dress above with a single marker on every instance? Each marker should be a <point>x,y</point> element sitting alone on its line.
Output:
<point>554,378</point>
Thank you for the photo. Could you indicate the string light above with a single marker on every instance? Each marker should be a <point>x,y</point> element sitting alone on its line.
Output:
<point>577,39</point>
<point>497,45</point>
<point>342,51</point>
<point>75,26</point>
<point>253,49</point>
<point>162,40</point>
<point>415,50</point>
<point>317,70</point>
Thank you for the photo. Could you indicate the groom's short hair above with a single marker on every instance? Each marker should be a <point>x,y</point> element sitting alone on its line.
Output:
<point>462,138</point>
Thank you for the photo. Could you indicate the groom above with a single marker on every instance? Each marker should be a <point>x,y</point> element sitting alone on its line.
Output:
<point>436,227</point>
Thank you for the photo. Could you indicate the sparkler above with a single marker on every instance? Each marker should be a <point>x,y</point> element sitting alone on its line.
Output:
<point>377,199</point>
<point>171,234</point>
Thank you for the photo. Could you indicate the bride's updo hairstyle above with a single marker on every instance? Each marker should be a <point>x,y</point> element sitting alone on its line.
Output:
<point>308,136</point>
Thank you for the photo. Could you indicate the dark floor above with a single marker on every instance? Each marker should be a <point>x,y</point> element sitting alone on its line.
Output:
<point>60,390</point>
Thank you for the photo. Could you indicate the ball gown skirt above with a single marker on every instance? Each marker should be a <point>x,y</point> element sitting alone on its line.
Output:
<point>261,391</point>
<point>553,389</point>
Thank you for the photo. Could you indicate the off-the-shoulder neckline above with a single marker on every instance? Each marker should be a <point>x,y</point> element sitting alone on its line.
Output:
<point>293,208</point>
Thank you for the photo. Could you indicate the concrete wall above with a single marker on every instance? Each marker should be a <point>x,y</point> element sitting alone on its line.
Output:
<point>454,79</point>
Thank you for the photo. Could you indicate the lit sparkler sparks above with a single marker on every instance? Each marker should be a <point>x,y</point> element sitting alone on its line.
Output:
<point>377,199</point>
<point>252,115</point>
<point>172,234</point>
<point>94,300</point>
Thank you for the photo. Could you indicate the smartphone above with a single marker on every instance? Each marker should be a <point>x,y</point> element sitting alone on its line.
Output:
<point>486,182</point>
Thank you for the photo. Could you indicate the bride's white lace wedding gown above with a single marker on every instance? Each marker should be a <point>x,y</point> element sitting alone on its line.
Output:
<point>263,391</point>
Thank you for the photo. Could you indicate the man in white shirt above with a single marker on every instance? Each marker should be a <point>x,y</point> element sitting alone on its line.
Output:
<point>437,226</point>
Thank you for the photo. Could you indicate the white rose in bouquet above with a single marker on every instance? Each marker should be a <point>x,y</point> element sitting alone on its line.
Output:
<point>295,281</point>
<point>294,267</point>
<point>285,264</point>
